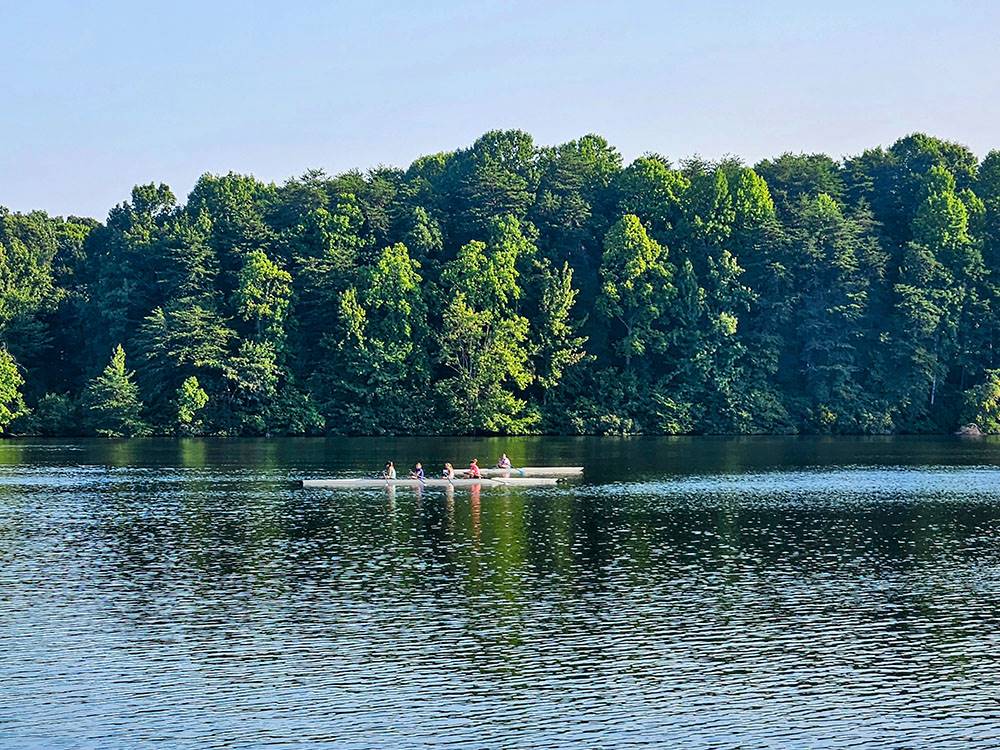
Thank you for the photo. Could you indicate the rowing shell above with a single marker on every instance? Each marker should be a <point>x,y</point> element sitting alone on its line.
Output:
<point>333,484</point>
<point>533,471</point>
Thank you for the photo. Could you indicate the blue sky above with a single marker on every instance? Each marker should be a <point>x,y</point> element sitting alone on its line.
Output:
<point>97,97</point>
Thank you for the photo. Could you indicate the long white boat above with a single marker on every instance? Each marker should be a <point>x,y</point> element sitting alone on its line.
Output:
<point>532,471</point>
<point>343,484</point>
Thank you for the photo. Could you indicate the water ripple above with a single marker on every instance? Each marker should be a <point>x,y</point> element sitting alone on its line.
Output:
<point>217,607</point>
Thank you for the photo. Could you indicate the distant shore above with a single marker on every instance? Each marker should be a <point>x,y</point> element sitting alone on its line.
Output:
<point>512,288</point>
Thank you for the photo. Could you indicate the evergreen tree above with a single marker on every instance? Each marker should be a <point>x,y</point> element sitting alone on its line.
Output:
<point>54,415</point>
<point>112,401</point>
<point>188,339</point>
<point>792,177</point>
<point>498,176</point>
<point>830,305</point>
<point>250,395</point>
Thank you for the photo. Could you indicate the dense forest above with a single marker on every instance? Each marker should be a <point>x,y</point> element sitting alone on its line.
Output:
<point>513,288</point>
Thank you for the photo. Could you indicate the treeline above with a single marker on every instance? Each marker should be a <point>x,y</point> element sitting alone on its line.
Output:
<point>512,288</point>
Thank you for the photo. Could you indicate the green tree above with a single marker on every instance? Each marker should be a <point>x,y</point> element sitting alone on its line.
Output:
<point>483,340</point>
<point>184,340</point>
<point>508,286</point>
<point>707,217</point>
<point>487,273</point>
<point>831,301</point>
<point>981,404</point>
<point>422,235</point>
<point>486,356</point>
<point>575,196</point>
<point>123,269</point>
<point>191,398</point>
<point>235,208</point>
<point>54,415</point>
<point>892,182</point>
<point>29,244</point>
<point>250,396</point>
<point>112,401</point>
<point>937,304</point>
<point>650,189</point>
<point>187,265</point>
<point>557,343</point>
<point>329,248</point>
<point>382,383</point>
<point>637,291</point>
<point>498,176</point>
<point>263,294</point>
<point>11,403</point>
<point>792,177</point>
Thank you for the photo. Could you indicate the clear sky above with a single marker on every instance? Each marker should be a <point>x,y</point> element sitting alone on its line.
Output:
<point>96,97</point>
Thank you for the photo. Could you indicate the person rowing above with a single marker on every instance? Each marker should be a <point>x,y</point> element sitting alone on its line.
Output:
<point>504,462</point>
<point>417,472</point>
<point>449,472</point>
<point>473,471</point>
<point>389,472</point>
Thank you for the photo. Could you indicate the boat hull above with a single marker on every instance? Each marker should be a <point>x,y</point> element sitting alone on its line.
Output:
<point>533,471</point>
<point>343,484</point>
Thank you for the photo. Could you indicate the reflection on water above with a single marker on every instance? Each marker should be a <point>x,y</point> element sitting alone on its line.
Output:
<point>703,593</point>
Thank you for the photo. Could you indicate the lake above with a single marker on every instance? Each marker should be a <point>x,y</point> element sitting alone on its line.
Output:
<point>695,592</point>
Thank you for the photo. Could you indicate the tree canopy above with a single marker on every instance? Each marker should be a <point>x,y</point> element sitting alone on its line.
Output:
<point>509,287</point>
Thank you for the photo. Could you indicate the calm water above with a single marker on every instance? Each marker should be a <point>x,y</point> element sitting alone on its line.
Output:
<point>687,592</point>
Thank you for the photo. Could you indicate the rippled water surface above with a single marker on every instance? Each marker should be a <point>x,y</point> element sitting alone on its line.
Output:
<point>688,592</point>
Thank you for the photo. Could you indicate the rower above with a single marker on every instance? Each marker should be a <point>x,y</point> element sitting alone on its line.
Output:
<point>389,472</point>
<point>417,472</point>
<point>473,471</point>
<point>449,472</point>
<point>504,462</point>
